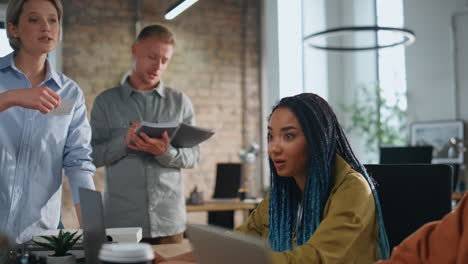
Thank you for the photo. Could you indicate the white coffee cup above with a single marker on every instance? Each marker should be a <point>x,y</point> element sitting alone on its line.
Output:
<point>126,253</point>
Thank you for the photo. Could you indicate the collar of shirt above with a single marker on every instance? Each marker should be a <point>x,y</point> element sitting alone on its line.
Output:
<point>127,89</point>
<point>8,61</point>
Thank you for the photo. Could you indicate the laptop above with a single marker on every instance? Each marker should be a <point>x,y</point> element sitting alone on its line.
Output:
<point>92,217</point>
<point>214,245</point>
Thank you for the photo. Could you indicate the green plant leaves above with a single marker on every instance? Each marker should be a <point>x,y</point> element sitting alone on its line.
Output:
<point>381,122</point>
<point>59,244</point>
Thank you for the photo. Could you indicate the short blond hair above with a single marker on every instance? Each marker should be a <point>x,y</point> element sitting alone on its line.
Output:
<point>13,12</point>
<point>161,32</point>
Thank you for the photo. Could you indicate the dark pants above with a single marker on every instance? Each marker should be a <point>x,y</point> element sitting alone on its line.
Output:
<point>177,238</point>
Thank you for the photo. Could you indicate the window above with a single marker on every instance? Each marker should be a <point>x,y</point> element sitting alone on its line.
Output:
<point>4,45</point>
<point>341,77</point>
<point>391,62</point>
<point>315,62</point>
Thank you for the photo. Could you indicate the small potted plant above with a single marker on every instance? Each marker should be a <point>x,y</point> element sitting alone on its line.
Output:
<point>60,244</point>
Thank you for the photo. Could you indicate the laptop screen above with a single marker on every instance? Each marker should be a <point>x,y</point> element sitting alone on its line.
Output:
<point>213,245</point>
<point>92,216</point>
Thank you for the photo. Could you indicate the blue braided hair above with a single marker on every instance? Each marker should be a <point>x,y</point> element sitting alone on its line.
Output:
<point>325,138</point>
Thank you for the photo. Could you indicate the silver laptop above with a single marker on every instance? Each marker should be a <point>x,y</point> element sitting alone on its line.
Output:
<point>214,245</point>
<point>92,216</point>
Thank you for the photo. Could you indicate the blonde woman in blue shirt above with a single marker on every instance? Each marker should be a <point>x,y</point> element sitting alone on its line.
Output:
<point>37,146</point>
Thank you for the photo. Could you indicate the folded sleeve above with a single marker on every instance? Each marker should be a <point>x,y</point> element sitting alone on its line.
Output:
<point>257,222</point>
<point>77,161</point>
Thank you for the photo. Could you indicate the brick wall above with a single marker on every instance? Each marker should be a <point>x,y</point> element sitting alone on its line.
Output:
<point>215,64</point>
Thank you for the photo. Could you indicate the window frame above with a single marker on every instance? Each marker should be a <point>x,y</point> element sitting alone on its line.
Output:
<point>3,8</point>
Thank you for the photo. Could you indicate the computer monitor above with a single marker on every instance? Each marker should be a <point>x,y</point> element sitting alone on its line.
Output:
<point>406,155</point>
<point>228,181</point>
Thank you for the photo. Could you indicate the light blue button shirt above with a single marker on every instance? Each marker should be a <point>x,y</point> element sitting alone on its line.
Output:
<point>34,150</point>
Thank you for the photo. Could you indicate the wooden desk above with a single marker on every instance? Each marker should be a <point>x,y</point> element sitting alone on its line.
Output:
<point>457,195</point>
<point>225,205</point>
<point>221,206</point>
<point>170,250</point>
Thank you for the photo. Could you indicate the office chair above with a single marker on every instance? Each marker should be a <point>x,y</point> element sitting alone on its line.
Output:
<point>411,195</point>
<point>228,180</point>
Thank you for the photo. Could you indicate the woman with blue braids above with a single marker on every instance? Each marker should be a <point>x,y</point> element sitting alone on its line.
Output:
<point>323,206</point>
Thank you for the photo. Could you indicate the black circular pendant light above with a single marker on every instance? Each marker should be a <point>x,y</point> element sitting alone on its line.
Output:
<point>405,37</point>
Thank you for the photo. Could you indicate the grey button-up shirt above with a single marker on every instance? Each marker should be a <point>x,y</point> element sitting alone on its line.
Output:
<point>141,189</point>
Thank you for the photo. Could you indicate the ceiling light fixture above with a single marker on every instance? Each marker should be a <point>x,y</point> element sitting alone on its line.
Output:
<point>319,40</point>
<point>178,8</point>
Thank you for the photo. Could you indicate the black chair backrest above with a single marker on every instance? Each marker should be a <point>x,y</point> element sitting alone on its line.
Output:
<point>404,155</point>
<point>413,155</point>
<point>411,195</point>
<point>228,180</point>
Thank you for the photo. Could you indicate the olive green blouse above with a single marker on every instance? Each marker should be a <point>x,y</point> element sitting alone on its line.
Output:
<point>348,231</point>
